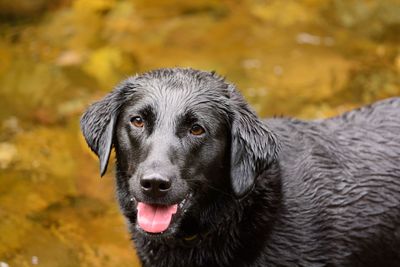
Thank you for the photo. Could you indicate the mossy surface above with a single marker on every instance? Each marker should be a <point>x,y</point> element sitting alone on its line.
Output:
<point>303,58</point>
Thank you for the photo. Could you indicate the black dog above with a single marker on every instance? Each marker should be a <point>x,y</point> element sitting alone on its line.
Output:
<point>203,182</point>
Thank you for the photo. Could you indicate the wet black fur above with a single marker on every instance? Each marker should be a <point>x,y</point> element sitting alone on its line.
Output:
<point>279,192</point>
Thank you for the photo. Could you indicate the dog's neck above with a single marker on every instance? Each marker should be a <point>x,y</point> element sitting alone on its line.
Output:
<point>232,212</point>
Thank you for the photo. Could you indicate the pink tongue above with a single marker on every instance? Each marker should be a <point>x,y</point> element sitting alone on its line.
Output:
<point>155,218</point>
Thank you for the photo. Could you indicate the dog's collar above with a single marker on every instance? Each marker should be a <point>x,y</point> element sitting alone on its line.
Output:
<point>195,239</point>
<point>190,238</point>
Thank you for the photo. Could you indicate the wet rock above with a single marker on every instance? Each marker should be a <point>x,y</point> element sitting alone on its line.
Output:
<point>284,13</point>
<point>8,153</point>
<point>108,65</point>
<point>22,8</point>
<point>382,18</point>
<point>9,128</point>
<point>69,58</point>
<point>397,64</point>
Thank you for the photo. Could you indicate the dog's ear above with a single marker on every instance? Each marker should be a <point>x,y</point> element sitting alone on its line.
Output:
<point>98,123</point>
<point>253,145</point>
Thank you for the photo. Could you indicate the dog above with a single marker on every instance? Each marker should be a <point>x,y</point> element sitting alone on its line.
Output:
<point>202,181</point>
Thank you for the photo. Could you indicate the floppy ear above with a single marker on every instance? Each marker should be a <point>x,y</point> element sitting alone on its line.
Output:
<point>253,148</point>
<point>98,123</point>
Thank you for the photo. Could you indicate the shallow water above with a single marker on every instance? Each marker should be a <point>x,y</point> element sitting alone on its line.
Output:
<point>303,58</point>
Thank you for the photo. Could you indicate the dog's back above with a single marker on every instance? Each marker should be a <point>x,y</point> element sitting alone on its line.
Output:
<point>341,187</point>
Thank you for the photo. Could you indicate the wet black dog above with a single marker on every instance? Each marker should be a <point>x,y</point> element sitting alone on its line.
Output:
<point>203,182</point>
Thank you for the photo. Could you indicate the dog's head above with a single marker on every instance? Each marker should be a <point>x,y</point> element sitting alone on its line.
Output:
<point>181,137</point>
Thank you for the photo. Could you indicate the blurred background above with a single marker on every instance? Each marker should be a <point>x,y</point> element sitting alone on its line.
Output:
<point>303,58</point>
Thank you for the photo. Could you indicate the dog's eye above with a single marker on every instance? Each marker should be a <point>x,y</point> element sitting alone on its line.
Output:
<point>197,130</point>
<point>137,121</point>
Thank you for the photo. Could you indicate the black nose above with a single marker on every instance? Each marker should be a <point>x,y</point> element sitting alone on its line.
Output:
<point>155,185</point>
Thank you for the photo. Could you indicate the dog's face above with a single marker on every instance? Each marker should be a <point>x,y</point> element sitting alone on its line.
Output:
<point>181,137</point>
<point>171,141</point>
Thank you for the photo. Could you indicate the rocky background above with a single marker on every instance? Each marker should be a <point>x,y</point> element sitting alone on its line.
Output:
<point>303,58</point>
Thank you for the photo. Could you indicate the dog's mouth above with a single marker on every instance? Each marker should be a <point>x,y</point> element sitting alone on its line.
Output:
<point>155,218</point>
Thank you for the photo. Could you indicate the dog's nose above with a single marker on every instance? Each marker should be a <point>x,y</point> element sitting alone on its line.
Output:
<point>155,185</point>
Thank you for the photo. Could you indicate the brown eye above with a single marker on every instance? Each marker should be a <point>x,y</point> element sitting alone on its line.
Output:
<point>197,130</point>
<point>137,121</point>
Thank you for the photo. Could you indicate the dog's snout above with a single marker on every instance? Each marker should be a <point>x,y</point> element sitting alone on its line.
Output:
<point>155,185</point>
